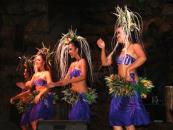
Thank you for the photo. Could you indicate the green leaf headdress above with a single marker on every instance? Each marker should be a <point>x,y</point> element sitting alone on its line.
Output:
<point>25,62</point>
<point>44,51</point>
<point>61,54</point>
<point>130,22</point>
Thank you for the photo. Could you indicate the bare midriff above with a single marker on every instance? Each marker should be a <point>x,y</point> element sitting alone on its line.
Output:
<point>40,88</point>
<point>79,87</point>
<point>122,71</point>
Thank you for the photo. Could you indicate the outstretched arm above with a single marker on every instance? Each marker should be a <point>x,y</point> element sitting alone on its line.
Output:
<point>18,96</point>
<point>58,83</point>
<point>25,85</point>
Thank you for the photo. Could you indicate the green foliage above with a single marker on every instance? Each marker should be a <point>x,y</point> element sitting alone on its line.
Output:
<point>55,98</point>
<point>91,96</point>
<point>71,97</point>
<point>23,105</point>
<point>120,87</point>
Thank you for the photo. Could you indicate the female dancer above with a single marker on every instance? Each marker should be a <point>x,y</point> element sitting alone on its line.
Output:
<point>126,111</point>
<point>25,63</point>
<point>43,105</point>
<point>76,75</point>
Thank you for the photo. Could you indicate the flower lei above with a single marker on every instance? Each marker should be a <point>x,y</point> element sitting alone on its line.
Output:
<point>120,87</point>
<point>71,97</point>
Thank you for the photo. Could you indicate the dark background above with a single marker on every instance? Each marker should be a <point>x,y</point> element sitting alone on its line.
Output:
<point>25,24</point>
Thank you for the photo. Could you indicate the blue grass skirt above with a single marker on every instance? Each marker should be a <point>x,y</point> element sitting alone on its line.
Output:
<point>126,111</point>
<point>43,109</point>
<point>80,110</point>
<point>25,118</point>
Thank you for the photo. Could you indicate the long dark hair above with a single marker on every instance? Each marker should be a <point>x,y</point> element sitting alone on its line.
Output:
<point>77,45</point>
<point>25,66</point>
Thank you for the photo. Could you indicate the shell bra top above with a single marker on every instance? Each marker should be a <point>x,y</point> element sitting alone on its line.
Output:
<point>75,73</point>
<point>40,82</point>
<point>125,59</point>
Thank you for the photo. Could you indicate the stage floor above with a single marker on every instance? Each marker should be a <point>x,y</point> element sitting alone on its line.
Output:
<point>4,125</point>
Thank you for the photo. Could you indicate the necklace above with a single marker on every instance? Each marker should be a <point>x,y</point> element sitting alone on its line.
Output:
<point>40,74</point>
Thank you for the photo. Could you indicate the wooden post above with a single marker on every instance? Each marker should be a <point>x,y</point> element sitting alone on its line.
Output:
<point>169,103</point>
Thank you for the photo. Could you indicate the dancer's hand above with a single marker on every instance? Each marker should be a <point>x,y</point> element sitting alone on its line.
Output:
<point>51,85</point>
<point>55,84</point>
<point>100,43</point>
<point>11,101</point>
<point>62,82</point>
<point>37,99</point>
<point>20,85</point>
<point>128,74</point>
